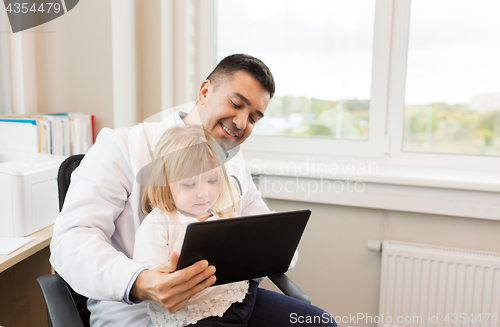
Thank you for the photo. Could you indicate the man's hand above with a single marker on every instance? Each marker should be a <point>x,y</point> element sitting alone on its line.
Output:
<point>172,289</point>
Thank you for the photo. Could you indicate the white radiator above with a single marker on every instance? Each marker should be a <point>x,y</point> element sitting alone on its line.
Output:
<point>426,285</point>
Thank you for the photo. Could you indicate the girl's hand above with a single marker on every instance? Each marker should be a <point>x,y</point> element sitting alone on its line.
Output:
<point>172,289</point>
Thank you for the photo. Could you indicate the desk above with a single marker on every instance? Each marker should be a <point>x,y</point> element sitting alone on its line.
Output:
<point>21,300</point>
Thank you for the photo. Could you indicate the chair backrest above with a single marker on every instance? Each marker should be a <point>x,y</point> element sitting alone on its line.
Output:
<point>64,175</point>
<point>63,181</point>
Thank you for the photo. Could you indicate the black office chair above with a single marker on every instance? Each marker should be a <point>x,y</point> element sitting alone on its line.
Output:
<point>66,308</point>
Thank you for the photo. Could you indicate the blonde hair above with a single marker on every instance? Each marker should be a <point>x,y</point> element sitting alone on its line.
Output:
<point>183,152</point>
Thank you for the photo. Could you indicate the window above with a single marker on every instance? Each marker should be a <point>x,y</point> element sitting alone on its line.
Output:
<point>431,98</point>
<point>452,99</point>
<point>320,53</point>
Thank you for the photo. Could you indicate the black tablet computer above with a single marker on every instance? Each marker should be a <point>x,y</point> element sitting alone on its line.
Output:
<point>245,247</point>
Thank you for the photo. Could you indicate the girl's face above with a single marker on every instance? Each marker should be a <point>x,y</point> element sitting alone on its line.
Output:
<point>194,196</point>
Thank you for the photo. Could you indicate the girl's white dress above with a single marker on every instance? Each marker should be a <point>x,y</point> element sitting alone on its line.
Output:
<point>158,235</point>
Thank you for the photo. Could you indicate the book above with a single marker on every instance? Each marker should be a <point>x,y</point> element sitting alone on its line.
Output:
<point>20,135</point>
<point>52,133</point>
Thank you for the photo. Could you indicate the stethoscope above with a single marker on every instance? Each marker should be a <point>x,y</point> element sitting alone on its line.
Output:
<point>238,184</point>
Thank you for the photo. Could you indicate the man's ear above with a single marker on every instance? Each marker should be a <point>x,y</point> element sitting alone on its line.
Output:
<point>202,94</point>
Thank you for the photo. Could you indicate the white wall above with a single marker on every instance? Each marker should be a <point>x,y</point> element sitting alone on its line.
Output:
<point>114,63</point>
<point>341,276</point>
<point>74,62</point>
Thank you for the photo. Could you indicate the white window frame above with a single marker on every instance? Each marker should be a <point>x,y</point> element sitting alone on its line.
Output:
<point>452,185</point>
<point>5,78</point>
<point>18,73</point>
<point>187,49</point>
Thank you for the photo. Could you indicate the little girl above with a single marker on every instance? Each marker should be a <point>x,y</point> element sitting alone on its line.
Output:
<point>188,183</point>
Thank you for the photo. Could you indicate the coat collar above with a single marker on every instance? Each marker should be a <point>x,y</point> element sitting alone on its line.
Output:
<point>171,120</point>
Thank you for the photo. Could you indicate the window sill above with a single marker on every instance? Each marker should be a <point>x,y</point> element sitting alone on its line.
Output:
<point>379,185</point>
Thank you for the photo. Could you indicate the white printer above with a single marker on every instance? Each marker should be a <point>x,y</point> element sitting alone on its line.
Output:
<point>28,192</point>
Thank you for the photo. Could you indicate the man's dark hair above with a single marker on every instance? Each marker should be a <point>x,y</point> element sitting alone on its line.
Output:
<point>253,66</point>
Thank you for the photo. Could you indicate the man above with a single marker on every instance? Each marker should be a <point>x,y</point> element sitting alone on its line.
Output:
<point>94,234</point>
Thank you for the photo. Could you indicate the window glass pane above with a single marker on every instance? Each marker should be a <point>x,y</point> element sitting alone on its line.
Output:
<point>452,100</point>
<point>320,53</point>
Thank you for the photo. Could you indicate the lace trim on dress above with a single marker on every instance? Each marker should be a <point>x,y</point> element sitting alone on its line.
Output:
<point>190,314</point>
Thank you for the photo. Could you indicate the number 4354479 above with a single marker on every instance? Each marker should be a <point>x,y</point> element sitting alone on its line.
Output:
<point>25,8</point>
<point>463,318</point>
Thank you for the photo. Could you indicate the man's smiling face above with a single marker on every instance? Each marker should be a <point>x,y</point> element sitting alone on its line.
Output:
<point>230,110</point>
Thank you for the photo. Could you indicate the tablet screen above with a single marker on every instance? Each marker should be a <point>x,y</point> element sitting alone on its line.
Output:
<point>245,247</point>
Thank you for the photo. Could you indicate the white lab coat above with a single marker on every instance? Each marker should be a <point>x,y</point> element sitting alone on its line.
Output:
<point>93,238</point>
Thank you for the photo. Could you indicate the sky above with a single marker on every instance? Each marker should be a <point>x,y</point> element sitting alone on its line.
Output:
<point>308,45</point>
<point>323,48</point>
